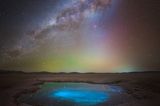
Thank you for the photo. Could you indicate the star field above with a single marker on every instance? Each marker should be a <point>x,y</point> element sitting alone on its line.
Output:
<point>79,35</point>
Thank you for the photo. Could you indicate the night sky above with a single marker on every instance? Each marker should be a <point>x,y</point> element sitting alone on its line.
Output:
<point>80,35</point>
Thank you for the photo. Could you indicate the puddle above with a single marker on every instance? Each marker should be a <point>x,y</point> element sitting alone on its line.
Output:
<point>73,94</point>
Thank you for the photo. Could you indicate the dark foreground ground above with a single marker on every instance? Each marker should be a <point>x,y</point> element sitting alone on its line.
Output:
<point>143,87</point>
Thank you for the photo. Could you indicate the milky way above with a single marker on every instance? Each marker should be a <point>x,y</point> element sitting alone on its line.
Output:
<point>72,19</point>
<point>71,35</point>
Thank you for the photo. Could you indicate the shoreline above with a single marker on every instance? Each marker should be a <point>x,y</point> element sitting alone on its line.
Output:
<point>35,88</point>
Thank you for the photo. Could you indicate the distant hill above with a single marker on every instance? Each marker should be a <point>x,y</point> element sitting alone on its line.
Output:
<point>45,72</point>
<point>11,72</point>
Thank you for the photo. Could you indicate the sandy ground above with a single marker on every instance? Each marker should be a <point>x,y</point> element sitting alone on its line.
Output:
<point>143,87</point>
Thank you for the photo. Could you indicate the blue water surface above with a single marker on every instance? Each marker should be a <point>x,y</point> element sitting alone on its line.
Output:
<point>81,96</point>
<point>72,94</point>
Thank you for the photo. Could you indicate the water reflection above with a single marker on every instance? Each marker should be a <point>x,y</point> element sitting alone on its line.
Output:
<point>81,96</point>
<point>72,94</point>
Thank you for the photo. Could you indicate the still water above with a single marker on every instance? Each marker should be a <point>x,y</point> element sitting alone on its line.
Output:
<point>72,94</point>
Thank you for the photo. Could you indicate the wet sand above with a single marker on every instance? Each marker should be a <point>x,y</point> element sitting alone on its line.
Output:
<point>144,88</point>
